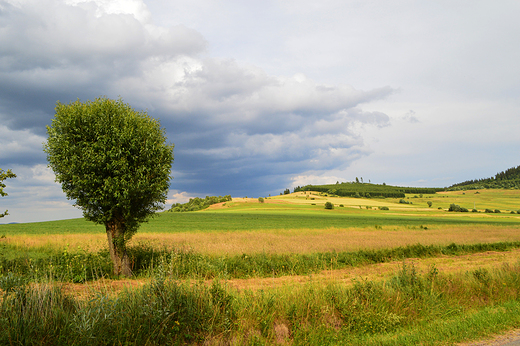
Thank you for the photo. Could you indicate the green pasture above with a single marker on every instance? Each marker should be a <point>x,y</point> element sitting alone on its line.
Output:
<point>257,219</point>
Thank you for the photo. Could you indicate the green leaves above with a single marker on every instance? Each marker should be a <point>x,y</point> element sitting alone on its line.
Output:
<point>110,159</point>
<point>4,175</point>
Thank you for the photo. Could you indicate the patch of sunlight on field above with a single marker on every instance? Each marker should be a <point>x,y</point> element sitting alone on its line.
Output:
<point>285,241</point>
<point>85,242</point>
<point>322,240</point>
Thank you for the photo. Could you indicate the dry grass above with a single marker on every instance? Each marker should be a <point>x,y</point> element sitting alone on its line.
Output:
<point>287,241</point>
<point>311,241</point>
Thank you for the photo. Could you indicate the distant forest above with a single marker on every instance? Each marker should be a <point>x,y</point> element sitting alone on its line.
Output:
<point>508,179</point>
<point>366,190</point>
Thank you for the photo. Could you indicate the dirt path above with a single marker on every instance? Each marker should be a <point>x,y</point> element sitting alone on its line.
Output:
<point>373,272</point>
<point>511,338</point>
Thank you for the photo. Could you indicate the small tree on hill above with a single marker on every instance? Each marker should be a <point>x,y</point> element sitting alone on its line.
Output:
<point>430,203</point>
<point>329,205</point>
<point>3,176</point>
<point>114,162</point>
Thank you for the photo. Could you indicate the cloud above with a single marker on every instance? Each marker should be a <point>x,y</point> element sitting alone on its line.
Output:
<point>178,197</point>
<point>302,180</point>
<point>410,117</point>
<point>236,128</point>
<point>20,146</point>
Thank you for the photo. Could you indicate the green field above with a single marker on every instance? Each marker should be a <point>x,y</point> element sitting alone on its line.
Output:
<point>304,274</point>
<point>298,212</point>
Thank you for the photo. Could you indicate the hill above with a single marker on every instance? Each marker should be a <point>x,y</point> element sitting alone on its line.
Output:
<point>508,179</point>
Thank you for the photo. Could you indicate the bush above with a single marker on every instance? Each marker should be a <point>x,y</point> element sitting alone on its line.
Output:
<point>497,211</point>
<point>474,210</point>
<point>489,210</point>
<point>454,207</point>
<point>384,208</point>
<point>430,203</point>
<point>329,205</point>
<point>261,199</point>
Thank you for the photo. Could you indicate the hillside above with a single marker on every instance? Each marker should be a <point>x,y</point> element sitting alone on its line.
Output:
<point>508,179</point>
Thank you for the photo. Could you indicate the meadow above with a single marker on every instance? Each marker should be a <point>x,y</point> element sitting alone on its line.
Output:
<point>285,271</point>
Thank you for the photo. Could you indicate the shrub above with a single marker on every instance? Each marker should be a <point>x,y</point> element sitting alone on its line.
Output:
<point>430,203</point>
<point>454,207</point>
<point>261,199</point>
<point>384,208</point>
<point>341,205</point>
<point>489,210</point>
<point>497,211</point>
<point>474,210</point>
<point>329,205</point>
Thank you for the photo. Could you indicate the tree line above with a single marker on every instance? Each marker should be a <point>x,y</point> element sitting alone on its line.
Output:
<point>510,178</point>
<point>197,203</point>
<point>367,190</point>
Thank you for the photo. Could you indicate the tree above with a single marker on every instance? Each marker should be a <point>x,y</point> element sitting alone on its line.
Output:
<point>430,203</point>
<point>329,205</point>
<point>3,176</point>
<point>114,162</point>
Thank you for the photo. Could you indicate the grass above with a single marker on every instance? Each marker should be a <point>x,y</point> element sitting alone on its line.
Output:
<point>408,309</point>
<point>81,266</point>
<point>286,236</point>
<point>283,241</point>
<point>260,219</point>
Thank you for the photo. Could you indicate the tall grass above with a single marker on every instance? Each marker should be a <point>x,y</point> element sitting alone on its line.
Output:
<point>408,309</point>
<point>146,260</point>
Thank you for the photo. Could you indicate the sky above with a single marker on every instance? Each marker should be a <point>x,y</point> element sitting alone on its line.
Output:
<point>260,96</point>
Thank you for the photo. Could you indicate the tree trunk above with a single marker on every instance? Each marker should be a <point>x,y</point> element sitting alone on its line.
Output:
<point>117,248</point>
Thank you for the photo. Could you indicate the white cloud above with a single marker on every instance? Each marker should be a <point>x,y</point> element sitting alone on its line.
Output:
<point>178,197</point>
<point>311,179</point>
<point>19,146</point>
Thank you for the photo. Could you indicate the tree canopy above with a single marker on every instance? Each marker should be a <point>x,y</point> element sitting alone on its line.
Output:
<point>3,176</point>
<point>114,162</point>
